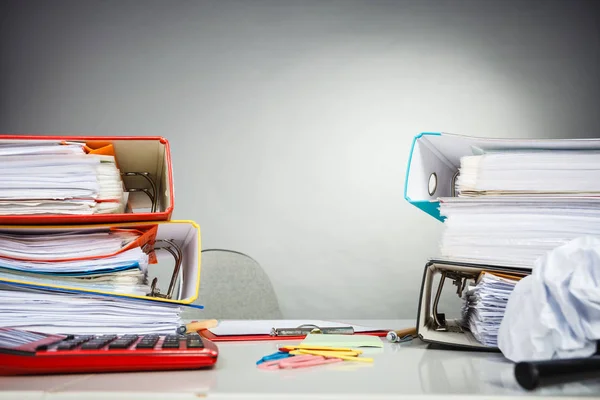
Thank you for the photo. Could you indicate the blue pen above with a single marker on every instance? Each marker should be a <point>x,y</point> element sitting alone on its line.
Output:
<point>275,356</point>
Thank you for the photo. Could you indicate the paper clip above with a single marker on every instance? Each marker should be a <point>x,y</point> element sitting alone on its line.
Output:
<point>152,194</point>
<point>346,356</point>
<point>308,328</point>
<point>343,353</point>
<point>275,356</point>
<point>175,251</point>
<point>297,362</point>
<point>318,348</point>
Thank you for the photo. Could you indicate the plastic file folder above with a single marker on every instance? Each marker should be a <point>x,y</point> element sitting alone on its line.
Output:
<point>146,170</point>
<point>175,243</point>
<point>434,162</point>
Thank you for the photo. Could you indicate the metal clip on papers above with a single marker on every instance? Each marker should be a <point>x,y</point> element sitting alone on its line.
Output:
<point>307,328</point>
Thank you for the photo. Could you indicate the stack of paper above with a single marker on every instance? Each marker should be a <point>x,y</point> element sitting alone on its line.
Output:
<point>109,261</point>
<point>484,306</point>
<point>530,172</point>
<point>80,282</point>
<point>71,313</point>
<point>514,233</point>
<point>46,177</point>
<point>513,207</point>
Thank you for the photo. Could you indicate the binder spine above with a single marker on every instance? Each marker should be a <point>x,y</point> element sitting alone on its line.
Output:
<point>428,206</point>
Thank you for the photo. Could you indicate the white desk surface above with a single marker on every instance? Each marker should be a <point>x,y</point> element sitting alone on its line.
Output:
<point>408,370</point>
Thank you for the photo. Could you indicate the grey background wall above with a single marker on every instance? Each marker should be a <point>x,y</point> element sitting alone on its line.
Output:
<point>290,121</point>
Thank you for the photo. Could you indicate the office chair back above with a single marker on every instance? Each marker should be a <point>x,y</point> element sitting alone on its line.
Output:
<point>234,286</point>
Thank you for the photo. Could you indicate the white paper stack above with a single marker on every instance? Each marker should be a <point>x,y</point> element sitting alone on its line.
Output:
<point>49,177</point>
<point>95,260</point>
<point>513,207</point>
<point>484,306</point>
<point>549,172</point>
<point>71,313</point>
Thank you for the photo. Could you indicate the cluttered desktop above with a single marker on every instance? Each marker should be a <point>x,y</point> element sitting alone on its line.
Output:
<point>84,219</point>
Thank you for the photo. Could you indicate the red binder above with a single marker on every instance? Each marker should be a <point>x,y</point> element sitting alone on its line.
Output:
<point>145,164</point>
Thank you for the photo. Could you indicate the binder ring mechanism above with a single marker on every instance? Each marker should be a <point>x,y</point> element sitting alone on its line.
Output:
<point>459,279</point>
<point>152,194</point>
<point>432,184</point>
<point>175,251</point>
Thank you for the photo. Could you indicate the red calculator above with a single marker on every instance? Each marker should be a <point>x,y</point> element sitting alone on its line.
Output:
<point>33,353</point>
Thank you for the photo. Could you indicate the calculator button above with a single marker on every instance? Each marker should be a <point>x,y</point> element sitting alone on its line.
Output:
<point>170,344</point>
<point>66,346</point>
<point>145,345</point>
<point>123,342</point>
<point>119,345</point>
<point>193,341</point>
<point>195,344</point>
<point>98,342</point>
<point>81,339</point>
<point>92,345</point>
<point>147,342</point>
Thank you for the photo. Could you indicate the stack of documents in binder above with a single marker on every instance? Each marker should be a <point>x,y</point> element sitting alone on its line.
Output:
<point>484,306</point>
<point>46,177</point>
<point>514,206</point>
<point>102,277</point>
<point>505,203</point>
<point>35,269</point>
<point>102,260</point>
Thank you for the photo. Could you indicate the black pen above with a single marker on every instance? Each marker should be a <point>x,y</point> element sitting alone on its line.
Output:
<point>533,374</point>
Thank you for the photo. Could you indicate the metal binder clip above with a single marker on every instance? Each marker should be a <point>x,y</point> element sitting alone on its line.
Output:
<point>175,251</point>
<point>459,279</point>
<point>152,194</point>
<point>308,328</point>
